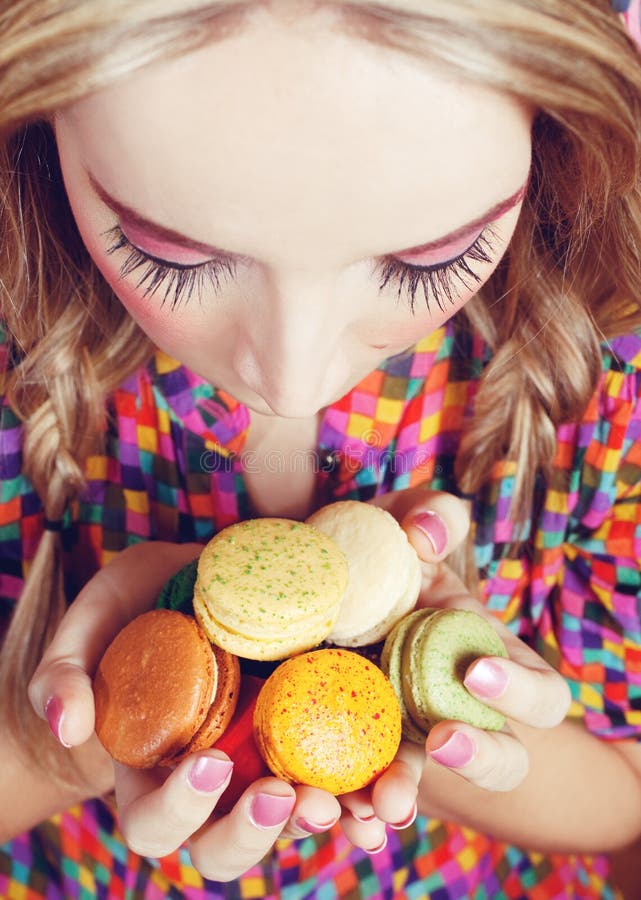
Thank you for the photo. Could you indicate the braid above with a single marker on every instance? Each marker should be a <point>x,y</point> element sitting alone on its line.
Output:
<point>545,357</point>
<point>72,343</point>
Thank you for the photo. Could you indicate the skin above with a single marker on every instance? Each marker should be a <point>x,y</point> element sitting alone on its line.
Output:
<point>295,196</point>
<point>300,150</point>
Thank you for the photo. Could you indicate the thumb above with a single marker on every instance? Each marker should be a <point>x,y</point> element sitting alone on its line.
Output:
<point>436,523</point>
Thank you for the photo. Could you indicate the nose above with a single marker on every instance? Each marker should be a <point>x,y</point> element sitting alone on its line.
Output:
<point>293,349</point>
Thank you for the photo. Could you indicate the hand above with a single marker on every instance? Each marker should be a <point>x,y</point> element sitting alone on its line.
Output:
<point>159,809</point>
<point>436,524</point>
<point>524,687</point>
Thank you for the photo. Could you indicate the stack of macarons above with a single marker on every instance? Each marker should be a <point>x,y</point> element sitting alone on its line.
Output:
<point>274,589</point>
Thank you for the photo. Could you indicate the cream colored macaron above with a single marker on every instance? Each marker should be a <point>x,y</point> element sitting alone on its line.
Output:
<point>384,570</point>
<point>269,588</point>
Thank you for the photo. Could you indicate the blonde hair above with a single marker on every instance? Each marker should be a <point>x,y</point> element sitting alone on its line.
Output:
<point>568,281</point>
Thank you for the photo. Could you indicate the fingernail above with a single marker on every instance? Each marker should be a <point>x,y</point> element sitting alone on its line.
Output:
<point>268,810</point>
<point>399,826</point>
<point>55,715</point>
<point>369,818</point>
<point>433,527</point>
<point>314,827</point>
<point>209,773</point>
<point>486,679</point>
<point>456,752</point>
<point>379,849</point>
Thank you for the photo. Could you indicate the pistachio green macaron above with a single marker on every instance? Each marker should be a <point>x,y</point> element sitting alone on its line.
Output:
<point>426,656</point>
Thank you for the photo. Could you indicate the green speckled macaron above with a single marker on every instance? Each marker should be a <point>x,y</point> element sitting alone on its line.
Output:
<point>269,588</point>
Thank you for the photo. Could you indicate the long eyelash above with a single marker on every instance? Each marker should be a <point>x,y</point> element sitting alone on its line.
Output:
<point>439,282</point>
<point>177,283</point>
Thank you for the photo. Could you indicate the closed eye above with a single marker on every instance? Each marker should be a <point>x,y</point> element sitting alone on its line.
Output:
<point>174,283</point>
<point>441,281</point>
<point>177,284</point>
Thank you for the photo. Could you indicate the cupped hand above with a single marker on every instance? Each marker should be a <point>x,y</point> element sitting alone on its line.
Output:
<point>160,809</point>
<point>160,812</point>
<point>224,847</point>
<point>525,688</point>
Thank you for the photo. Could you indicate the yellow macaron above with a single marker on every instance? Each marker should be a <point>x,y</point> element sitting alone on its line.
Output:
<point>329,719</point>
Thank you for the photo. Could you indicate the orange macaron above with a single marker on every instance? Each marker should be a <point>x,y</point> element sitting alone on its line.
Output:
<point>329,719</point>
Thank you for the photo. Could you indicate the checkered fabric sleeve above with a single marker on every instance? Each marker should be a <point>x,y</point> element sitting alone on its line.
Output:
<point>595,601</point>
<point>579,574</point>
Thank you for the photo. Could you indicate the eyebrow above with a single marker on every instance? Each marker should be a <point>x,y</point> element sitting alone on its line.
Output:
<point>160,232</point>
<point>128,215</point>
<point>495,212</point>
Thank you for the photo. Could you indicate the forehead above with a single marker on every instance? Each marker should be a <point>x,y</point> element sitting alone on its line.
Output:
<point>297,123</point>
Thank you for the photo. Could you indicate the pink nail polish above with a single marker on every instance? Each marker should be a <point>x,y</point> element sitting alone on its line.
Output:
<point>209,773</point>
<point>364,819</point>
<point>399,826</point>
<point>456,752</point>
<point>269,810</point>
<point>313,827</point>
<point>487,679</point>
<point>55,714</point>
<point>434,530</point>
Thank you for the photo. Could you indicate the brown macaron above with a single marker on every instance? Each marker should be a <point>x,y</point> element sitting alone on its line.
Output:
<point>154,689</point>
<point>223,706</point>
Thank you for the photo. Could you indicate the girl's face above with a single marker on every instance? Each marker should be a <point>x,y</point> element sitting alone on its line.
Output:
<point>287,207</point>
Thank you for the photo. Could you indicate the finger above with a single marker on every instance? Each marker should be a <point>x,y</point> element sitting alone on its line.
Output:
<point>232,845</point>
<point>369,836</point>
<point>359,804</point>
<point>524,687</point>
<point>395,793</point>
<point>315,811</point>
<point>493,760</point>
<point>537,696</point>
<point>60,689</point>
<point>158,813</point>
<point>436,523</point>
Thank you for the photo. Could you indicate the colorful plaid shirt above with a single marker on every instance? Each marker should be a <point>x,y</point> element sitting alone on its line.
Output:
<point>172,469</point>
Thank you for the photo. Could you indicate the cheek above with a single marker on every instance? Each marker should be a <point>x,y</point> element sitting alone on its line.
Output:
<point>406,328</point>
<point>146,311</point>
<point>171,330</point>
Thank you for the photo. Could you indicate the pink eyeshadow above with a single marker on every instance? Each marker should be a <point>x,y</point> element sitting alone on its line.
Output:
<point>445,252</point>
<point>161,249</point>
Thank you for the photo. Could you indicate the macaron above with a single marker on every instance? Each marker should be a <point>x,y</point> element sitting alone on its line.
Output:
<point>222,707</point>
<point>329,719</point>
<point>384,570</point>
<point>426,656</point>
<point>269,588</point>
<point>161,691</point>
